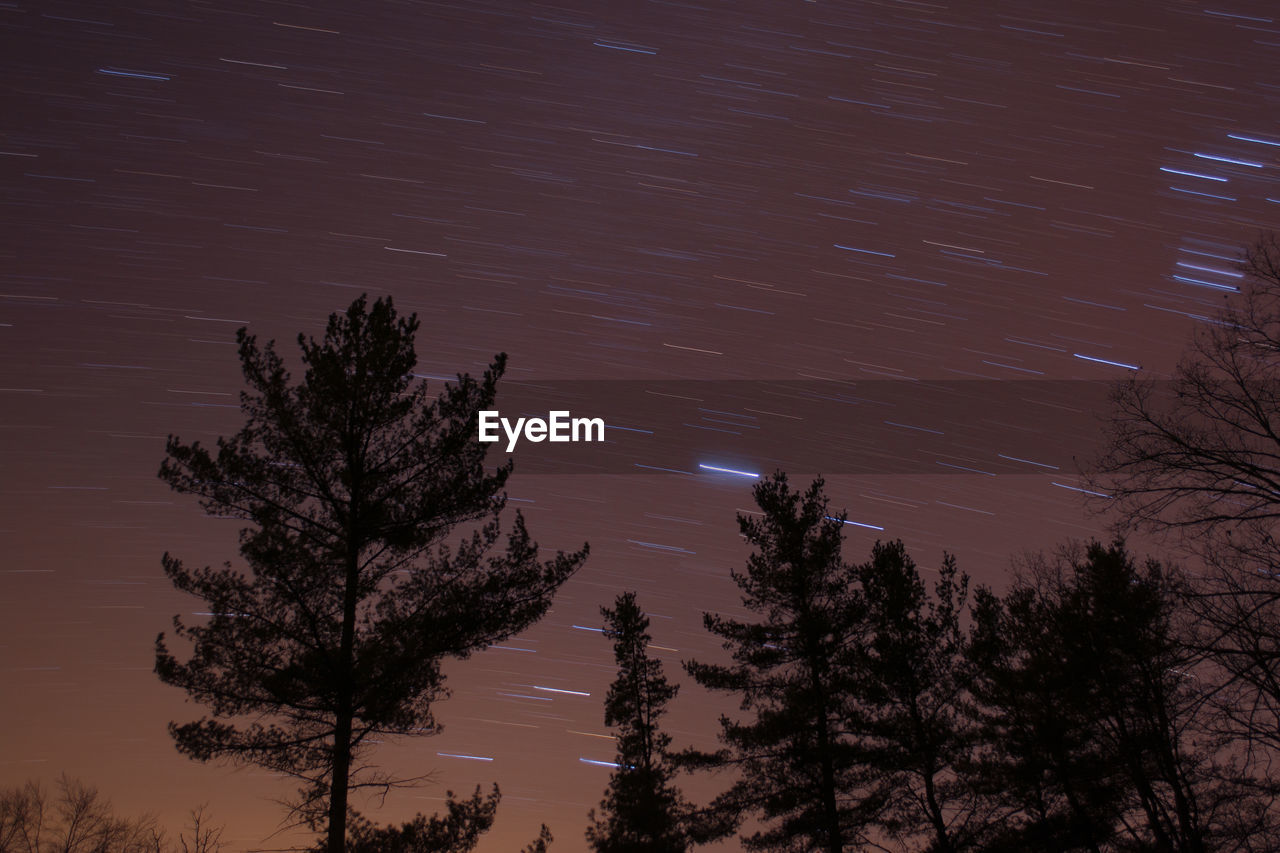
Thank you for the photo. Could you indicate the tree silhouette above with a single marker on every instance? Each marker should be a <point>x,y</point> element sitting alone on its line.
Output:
<point>1200,455</point>
<point>643,811</point>
<point>335,631</point>
<point>458,830</point>
<point>201,835</point>
<point>75,819</point>
<point>914,709</point>
<point>800,766</point>
<point>1087,707</point>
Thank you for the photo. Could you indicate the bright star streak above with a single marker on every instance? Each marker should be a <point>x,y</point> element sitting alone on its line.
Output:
<point>729,471</point>
<point>1104,361</point>
<point>1252,139</point>
<point>1232,160</point>
<point>854,523</point>
<point>138,74</point>
<point>556,690</point>
<point>1078,489</point>
<point>1193,174</point>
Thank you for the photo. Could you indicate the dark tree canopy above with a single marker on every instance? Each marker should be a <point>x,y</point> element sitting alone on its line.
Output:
<point>1087,704</point>
<point>643,811</point>
<point>458,830</point>
<point>333,632</point>
<point>914,712</point>
<point>1068,715</point>
<point>799,766</point>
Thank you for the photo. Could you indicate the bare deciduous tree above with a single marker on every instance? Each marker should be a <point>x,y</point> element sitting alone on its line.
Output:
<point>1200,456</point>
<point>75,818</point>
<point>200,835</point>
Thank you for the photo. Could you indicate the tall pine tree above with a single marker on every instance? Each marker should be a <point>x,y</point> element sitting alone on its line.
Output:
<point>801,769</point>
<point>333,631</point>
<point>642,811</point>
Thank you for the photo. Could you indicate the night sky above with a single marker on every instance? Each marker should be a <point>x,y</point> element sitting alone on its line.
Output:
<point>745,206</point>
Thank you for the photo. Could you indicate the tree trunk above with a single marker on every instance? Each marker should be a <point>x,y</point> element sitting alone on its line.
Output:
<point>942,839</point>
<point>928,770</point>
<point>340,780</point>
<point>831,812</point>
<point>338,784</point>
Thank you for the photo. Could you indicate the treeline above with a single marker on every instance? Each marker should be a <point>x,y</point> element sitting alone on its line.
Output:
<point>1100,703</point>
<point>75,818</point>
<point>885,712</point>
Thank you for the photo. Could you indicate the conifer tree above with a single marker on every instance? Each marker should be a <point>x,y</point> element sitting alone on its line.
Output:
<point>643,811</point>
<point>801,769</point>
<point>332,632</point>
